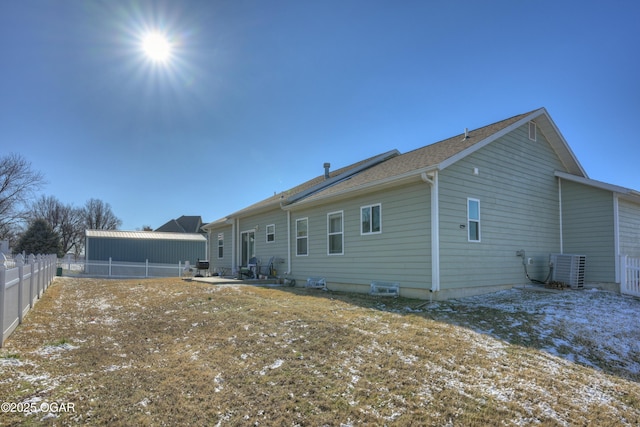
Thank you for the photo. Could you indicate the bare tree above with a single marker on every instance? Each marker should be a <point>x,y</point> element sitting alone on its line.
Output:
<point>97,215</point>
<point>65,220</point>
<point>18,183</point>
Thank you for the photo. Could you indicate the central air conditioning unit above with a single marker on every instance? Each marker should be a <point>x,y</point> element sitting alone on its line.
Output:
<point>568,269</point>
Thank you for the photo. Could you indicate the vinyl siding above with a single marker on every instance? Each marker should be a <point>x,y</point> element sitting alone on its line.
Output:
<point>401,253</point>
<point>588,229</point>
<point>519,209</point>
<point>629,226</point>
<point>265,250</point>
<point>225,261</point>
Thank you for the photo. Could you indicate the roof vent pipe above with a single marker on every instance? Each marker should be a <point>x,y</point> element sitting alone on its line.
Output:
<point>326,170</point>
<point>466,133</point>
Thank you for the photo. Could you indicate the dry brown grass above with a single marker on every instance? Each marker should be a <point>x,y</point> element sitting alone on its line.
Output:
<point>170,352</point>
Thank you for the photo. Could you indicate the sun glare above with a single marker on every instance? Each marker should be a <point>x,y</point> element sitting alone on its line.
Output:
<point>156,47</point>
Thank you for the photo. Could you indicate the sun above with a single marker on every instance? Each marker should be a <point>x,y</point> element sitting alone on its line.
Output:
<point>156,47</point>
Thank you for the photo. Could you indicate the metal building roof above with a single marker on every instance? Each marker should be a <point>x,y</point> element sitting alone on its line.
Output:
<point>145,235</point>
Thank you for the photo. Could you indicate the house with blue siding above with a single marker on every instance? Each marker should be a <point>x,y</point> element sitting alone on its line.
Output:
<point>475,213</point>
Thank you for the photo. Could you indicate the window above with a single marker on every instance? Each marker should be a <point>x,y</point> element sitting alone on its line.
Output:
<point>271,233</point>
<point>302,236</point>
<point>473,219</point>
<point>370,219</point>
<point>220,245</point>
<point>334,233</point>
<point>532,131</point>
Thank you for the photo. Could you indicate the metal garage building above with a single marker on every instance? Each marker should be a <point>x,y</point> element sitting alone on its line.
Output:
<point>143,247</point>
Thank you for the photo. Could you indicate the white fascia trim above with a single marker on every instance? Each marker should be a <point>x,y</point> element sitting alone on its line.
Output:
<point>564,141</point>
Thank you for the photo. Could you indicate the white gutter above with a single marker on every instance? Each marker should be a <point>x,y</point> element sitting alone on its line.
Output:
<point>435,229</point>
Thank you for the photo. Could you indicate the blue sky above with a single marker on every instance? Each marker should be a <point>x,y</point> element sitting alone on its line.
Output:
<point>259,94</point>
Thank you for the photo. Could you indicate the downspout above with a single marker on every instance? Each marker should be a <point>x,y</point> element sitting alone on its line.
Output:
<point>560,204</point>
<point>616,235</point>
<point>288,242</point>
<point>206,247</point>
<point>435,228</point>
<point>282,205</point>
<point>234,229</point>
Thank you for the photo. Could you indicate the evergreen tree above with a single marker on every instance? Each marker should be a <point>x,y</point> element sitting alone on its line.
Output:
<point>40,239</point>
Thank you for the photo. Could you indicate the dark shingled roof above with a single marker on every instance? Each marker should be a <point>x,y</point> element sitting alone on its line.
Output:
<point>392,166</point>
<point>282,197</point>
<point>184,224</point>
<point>421,158</point>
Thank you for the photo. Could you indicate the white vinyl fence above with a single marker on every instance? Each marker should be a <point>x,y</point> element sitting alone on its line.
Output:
<point>123,269</point>
<point>630,277</point>
<point>22,283</point>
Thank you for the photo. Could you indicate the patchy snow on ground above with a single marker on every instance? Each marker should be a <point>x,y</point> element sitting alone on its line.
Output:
<point>53,351</point>
<point>591,327</point>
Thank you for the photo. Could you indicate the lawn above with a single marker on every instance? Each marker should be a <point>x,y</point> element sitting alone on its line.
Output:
<point>172,352</point>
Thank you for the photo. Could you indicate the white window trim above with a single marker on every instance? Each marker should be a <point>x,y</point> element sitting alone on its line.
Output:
<point>331,234</point>
<point>533,132</point>
<point>479,220</point>
<point>218,246</point>
<point>266,235</point>
<point>371,225</point>
<point>306,237</point>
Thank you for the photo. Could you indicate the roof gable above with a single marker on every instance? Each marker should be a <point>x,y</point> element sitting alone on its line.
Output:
<point>392,167</point>
<point>541,118</point>
<point>440,155</point>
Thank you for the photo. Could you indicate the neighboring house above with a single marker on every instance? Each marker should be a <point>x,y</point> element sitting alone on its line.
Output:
<point>443,220</point>
<point>184,224</point>
<point>143,246</point>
